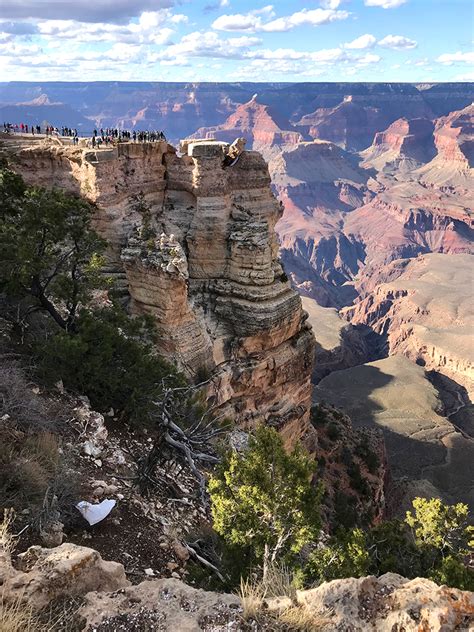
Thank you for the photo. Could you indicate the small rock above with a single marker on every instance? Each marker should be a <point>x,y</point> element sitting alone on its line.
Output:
<point>90,449</point>
<point>172,566</point>
<point>150,572</point>
<point>98,462</point>
<point>176,575</point>
<point>120,496</point>
<point>181,551</point>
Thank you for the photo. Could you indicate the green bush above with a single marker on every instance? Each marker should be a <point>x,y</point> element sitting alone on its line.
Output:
<point>369,457</point>
<point>49,253</point>
<point>358,482</point>
<point>110,360</point>
<point>346,555</point>
<point>333,431</point>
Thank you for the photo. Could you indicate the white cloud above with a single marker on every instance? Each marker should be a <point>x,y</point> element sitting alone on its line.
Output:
<point>330,4</point>
<point>209,44</point>
<point>459,57</point>
<point>150,28</point>
<point>238,22</point>
<point>369,58</point>
<point>112,11</point>
<point>385,4</point>
<point>398,42</point>
<point>467,76</point>
<point>364,41</point>
<point>254,21</point>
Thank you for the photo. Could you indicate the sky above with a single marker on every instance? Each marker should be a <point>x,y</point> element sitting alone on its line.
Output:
<point>236,40</point>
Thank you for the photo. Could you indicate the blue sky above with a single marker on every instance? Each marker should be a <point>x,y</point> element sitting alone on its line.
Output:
<point>237,40</point>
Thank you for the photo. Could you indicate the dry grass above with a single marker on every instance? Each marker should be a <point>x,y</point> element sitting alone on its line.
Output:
<point>253,592</point>
<point>252,595</point>
<point>18,617</point>
<point>301,619</point>
<point>7,540</point>
<point>278,583</point>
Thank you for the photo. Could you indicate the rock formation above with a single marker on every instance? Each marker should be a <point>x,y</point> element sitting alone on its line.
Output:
<point>263,127</point>
<point>405,144</point>
<point>44,575</point>
<point>426,314</point>
<point>382,604</point>
<point>208,273</point>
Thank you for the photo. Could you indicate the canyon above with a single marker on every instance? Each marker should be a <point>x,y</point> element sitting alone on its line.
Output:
<point>375,234</point>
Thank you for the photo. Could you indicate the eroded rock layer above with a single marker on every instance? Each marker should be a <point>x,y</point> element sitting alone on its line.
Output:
<point>205,267</point>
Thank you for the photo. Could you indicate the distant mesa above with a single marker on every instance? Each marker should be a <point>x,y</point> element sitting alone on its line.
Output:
<point>262,125</point>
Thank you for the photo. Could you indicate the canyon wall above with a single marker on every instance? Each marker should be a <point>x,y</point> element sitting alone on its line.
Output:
<point>208,273</point>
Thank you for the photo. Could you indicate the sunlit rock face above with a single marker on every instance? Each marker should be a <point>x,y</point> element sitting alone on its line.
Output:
<point>208,273</point>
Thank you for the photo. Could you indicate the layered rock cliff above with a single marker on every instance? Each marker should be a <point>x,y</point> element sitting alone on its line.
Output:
<point>208,273</point>
<point>426,314</point>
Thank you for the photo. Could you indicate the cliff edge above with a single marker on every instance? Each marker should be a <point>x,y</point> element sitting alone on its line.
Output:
<point>206,268</point>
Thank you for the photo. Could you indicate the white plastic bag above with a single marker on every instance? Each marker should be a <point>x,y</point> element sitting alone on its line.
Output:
<point>95,513</point>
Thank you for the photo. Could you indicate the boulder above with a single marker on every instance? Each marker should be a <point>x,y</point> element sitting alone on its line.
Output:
<point>160,604</point>
<point>389,603</point>
<point>47,574</point>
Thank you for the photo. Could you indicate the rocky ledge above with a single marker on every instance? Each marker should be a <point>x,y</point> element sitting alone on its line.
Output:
<point>107,602</point>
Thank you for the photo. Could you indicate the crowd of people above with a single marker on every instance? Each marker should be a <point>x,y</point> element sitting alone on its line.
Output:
<point>114,133</point>
<point>103,136</point>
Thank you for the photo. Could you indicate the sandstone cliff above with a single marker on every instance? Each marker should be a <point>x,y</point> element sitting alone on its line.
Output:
<point>209,275</point>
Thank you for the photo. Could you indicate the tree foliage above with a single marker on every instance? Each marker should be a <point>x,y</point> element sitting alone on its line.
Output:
<point>344,556</point>
<point>432,542</point>
<point>49,251</point>
<point>110,360</point>
<point>264,498</point>
<point>443,528</point>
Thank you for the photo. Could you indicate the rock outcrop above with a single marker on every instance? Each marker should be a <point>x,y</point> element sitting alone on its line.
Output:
<point>44,575</point>
<point>263,126</point>
<point>405,144</point>
<point>208,272</point>
<point>389,603</point>
<point>163,604</point>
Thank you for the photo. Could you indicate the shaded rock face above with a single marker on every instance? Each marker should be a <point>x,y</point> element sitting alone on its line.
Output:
<point>423,445</point>
<point>406,143</point>
<point>426,314</point>
<point>210,275</point>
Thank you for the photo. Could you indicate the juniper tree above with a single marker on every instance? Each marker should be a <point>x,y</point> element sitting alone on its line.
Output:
<point>49,252</point>
<point>264,498</point>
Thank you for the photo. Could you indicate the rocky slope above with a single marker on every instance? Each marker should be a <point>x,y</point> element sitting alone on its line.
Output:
<point>404,145</point>
<point>210,277</point>
<point>261,125</point>
<point>181,108</point>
